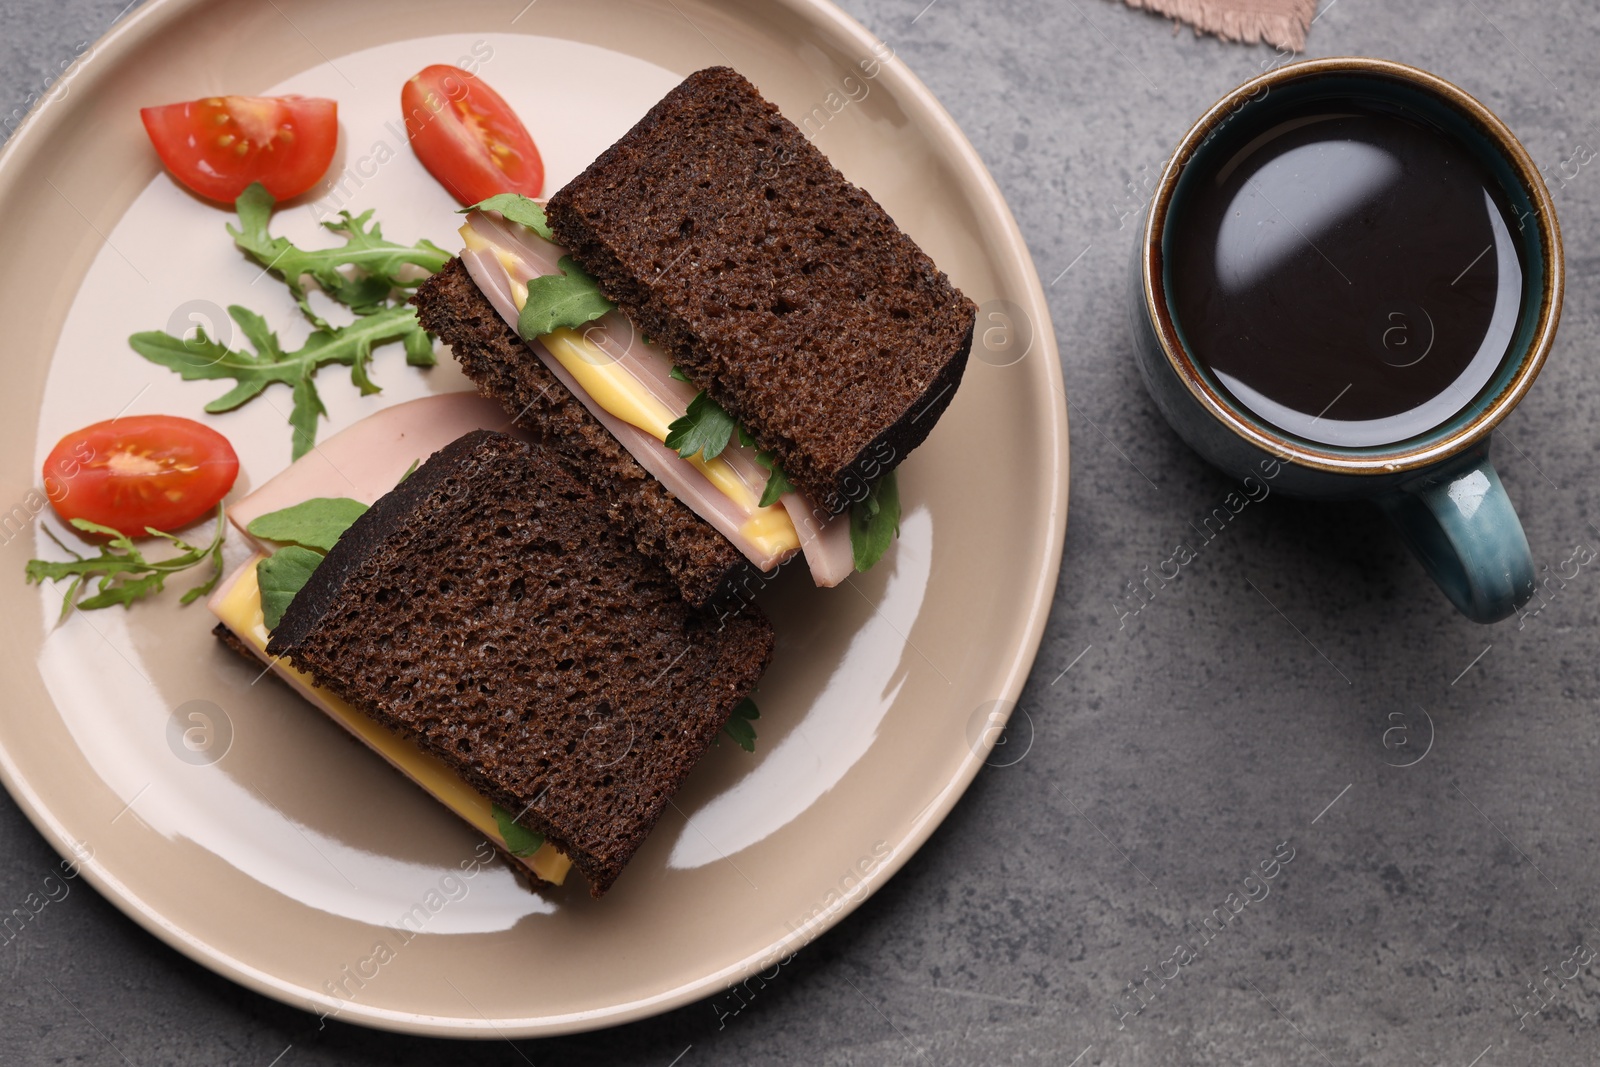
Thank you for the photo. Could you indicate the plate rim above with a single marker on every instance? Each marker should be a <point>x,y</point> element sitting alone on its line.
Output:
<point>151,19</point>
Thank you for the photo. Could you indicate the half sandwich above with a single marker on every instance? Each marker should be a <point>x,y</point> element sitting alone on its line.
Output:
<point>778,345</point>
<point>487,628</point>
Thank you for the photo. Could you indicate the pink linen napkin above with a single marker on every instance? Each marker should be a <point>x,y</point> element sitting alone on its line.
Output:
<point>1278,22</point>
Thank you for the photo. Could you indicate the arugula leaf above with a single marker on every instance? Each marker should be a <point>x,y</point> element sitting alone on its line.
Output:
<point>309,530</point>
<point>569,299</point>
<point>124,574</point>
<point>516,208</point>
<point>200,358</point>
<point>705,429</point>
<point>282,575</point>
<point>777,482</point>
<point>519,840</point>
<point>380,263</point>
<point>875,522</point>
<point>677,374</point>
<point>738,725</point>
<point>409,472</point>
<point>316,523</point>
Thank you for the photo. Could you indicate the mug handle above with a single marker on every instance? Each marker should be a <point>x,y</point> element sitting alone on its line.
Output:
<point>1460,524</point>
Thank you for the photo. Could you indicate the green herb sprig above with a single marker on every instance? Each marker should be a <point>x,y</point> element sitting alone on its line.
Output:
<point>316,523</point>
<point>740,724</point>
<point>777,482</point>
<point>704,430</point>
<point>707,429</point>
<point>875,522</point>
<point>365,275</point>
<point>514,207</point>
<point>200,358</point>
<point>121,572</point>
<point>379,264</point>
<point>569,299</point>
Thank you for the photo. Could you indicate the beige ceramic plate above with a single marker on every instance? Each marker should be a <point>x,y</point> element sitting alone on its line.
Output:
<point>301,865</point>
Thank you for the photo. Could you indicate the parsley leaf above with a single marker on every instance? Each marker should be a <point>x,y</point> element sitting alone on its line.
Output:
<point>569,299</point>
<point>777,482</point>
<point>706,429</point>
<point>199,357</point>
<point>316,523</point>
<point>516,208</point>
<point>875,522</point>
<point>519,840</point>
<point>380,264</point>
<point>282,575</point>
<point>124,574</point>
<point>738,725</point>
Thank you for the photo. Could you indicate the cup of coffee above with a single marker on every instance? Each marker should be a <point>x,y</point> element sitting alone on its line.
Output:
<point>1351,271</point>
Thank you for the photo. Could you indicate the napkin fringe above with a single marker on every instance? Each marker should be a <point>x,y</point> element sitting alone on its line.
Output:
<point>1283,23</point>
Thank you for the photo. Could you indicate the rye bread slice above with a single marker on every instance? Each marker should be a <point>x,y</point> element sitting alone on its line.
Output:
<point>777,286</point>
<point>488,609</point>
<point>704,563</point>
<point>233,641</point>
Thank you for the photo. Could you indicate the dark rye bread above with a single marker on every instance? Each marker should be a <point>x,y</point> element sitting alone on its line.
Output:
<point>248,655</point>
<point>702,561</point>
<point>233,641</point>
<point>774,284</point>
<point>487,609</point>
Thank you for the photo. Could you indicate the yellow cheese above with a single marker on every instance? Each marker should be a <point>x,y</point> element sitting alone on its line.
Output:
<point>770,526</point>
<point>240,610</point>
<point>508,263</point>
<point>623,396</point>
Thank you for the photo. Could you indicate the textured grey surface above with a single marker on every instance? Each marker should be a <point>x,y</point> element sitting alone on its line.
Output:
<point>1187,741</point>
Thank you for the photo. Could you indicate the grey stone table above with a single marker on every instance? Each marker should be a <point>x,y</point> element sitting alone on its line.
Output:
<point>1245,710</point>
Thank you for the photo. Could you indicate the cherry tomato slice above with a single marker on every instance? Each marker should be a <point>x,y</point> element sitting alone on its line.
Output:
<point>138,471</point>
<point>468,137</point>
<point>219,145</point>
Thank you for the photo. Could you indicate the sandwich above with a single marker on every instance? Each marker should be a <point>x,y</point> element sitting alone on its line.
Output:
<point>707,354</point>
<point>487,627</point>
<point>734,344</point>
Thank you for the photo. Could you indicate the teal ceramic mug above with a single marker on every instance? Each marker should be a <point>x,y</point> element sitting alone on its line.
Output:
<point>1437,483</point>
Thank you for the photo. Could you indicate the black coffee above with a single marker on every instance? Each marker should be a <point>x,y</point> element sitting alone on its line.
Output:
<point>1349,275</point>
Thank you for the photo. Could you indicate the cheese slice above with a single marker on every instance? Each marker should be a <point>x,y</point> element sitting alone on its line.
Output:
<point>238,604</point>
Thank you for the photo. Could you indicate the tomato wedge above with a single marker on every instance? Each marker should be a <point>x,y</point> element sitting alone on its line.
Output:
<point>468,137</point>
<point>138,471</point>
<point>219,145</point>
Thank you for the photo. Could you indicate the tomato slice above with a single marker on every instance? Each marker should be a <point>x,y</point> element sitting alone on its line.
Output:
<point>468,137</point>
<point>138,471</point>
<point>219,145</point>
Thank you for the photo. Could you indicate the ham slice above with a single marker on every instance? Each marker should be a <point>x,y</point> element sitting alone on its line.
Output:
<point>366,460</point>
<point>825,541</point>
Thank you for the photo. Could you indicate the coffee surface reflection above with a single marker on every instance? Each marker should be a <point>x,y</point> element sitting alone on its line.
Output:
<point>1348,275</point>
